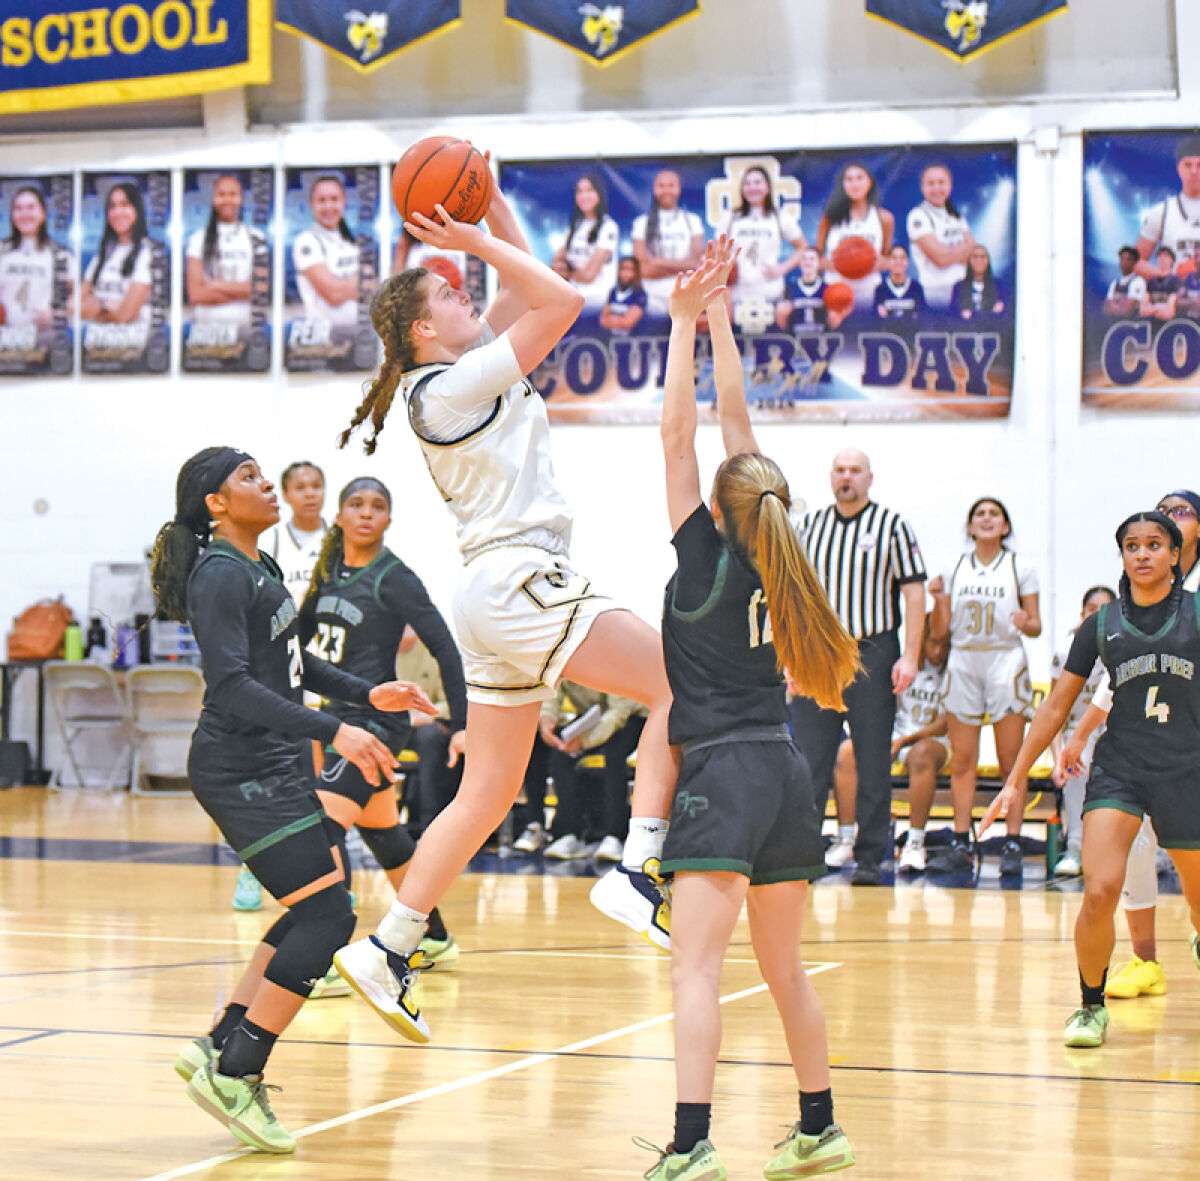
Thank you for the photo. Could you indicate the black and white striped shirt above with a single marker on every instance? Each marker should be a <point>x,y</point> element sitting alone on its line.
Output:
<point>862,561</point>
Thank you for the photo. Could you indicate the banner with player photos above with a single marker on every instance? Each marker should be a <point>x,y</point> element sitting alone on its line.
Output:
<point>125,284</point>
<point>38,275</point>
<point>367,39</point>
<point>227,269</point>
<point>331,265</point>
<point>964,28</point>
<point>1141,269</point>
<point>873,284</point>
<point>600,32</point>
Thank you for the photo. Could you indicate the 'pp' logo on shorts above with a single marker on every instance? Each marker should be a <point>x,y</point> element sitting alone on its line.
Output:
<point>689,805</point>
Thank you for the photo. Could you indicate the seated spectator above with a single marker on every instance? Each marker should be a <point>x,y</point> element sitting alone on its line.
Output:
<point>919,743</point>
<point>1163,289</point>
<point>626,303</point>
<point>614,734</point>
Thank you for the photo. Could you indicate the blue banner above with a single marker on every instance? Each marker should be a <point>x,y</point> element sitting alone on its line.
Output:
<point>601,32</point>
<point>872,284</point>
<point>70,53</point>
<point>367,36</point>
<point>963,28</point>
<point>1141,269</point>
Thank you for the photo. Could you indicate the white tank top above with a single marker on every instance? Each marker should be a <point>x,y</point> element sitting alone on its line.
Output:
<point>920,704</point>
<point>983,599</point>
<point>937,282</point>
<point>485,435</point>
<point>871,228</point>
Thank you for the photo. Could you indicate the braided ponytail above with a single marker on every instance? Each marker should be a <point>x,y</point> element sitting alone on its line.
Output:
<point>399,301</point>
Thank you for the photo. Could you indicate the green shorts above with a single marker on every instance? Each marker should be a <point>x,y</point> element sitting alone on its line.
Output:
<point>1171,802</point>
<point>748,807</point>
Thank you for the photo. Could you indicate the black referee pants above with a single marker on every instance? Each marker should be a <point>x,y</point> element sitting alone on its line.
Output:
<point>870,712</point>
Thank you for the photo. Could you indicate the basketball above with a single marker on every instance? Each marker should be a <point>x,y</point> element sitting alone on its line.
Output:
<point>1185,268</point>
<point>439,264</point>
<point>442,170</point>
<point>839,297</point>
<point>854,258</point>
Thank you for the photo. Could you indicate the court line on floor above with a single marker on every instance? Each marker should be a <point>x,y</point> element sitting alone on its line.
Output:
<point>468,1081</point>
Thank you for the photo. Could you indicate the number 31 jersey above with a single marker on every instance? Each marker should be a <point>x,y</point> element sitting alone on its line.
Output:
<point>983,599</point>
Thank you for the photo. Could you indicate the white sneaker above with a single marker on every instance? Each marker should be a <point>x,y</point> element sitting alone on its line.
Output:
<point>568,848</point>
<point>532,839</point>
<point>839,854</point>
<point>641,901</point>
<point>1068,865</point>
<point>610,849</point>
<point>385,980</point>
<point>912,859</point>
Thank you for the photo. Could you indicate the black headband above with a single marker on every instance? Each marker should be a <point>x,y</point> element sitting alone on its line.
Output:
<point>361,485</point>
<point>201,476</point>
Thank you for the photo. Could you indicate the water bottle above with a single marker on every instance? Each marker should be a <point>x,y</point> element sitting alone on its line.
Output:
<point>1053,842</point>
<point>72,642</point>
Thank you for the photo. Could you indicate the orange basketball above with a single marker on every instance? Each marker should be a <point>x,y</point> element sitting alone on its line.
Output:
<point>439,264</point>
<point>442,170</point>
<point>839,297</point>
<point>1186,268</point>
<point>854,258</point>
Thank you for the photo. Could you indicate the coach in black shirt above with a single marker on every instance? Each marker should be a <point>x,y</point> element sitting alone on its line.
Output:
<point>867,560</point>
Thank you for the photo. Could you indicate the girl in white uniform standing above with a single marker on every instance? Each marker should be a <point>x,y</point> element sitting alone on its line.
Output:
<point>524,616</point>
<point>989,603</point>
<point>853,211</point>
<point>938,236</point>
<point>326,257</point>
<point>116,285</point>
<point>759,229</point>
<point>220,259</point>
<point>666,241</point>
<point>588,257</point>
<point>28,262</point>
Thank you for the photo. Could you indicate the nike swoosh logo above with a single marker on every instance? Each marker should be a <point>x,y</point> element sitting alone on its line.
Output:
<point>1116,637</point>
<point>260,582</point>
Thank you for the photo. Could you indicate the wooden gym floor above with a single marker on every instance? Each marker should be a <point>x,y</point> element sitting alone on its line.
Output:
<point>553,1039</point>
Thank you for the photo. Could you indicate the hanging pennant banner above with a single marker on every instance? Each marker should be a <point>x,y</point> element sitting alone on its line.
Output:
<point>601,32</point>
<point>369,35</point>
<point>72,53</point>
<point>963,28</point>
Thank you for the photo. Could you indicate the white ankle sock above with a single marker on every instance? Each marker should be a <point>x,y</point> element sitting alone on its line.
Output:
<point>645,840</point>
<point>916,838</point>
<point>846,833</point>
<point>402,928</point>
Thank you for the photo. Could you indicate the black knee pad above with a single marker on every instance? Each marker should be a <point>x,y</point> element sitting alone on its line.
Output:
<point>321,923</point>
<point>392,847</point>
<point>279,928</point>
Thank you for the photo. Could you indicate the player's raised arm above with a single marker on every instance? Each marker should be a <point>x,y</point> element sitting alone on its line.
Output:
<point>728,374</point>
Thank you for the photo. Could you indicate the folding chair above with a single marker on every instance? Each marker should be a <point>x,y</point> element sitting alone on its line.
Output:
<point>86,699</point>
<point>164,706</point>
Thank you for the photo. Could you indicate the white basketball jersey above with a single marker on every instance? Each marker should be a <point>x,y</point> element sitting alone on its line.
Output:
<point>676,230</point>
<point>111,286</point>
<point>871,228</point>
<point>921,703</point>
<point>937,282</point>
<point>296,553</point>
<point>983,599</point>
<point>579,251</point>
<point>760,238</point>
<point>233,262</point>
<point>26,281</point>
<point>320,245</point>
<point>1175,222</point>
<point>485,435</point>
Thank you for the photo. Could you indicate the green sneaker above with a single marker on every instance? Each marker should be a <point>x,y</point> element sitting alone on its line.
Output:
<point>810,1156</point>
<point>440,953</point>
<point>330,985</point>
<point>193,1056</point>
<point>701,1164</point>
<point>247,894</point>
<point>1087,1027</point>
<point>241,1104</point>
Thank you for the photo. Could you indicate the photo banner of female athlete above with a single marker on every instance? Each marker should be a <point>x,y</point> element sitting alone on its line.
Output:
<point>227,269</point>
<point>38,275</point>
<point>873,284</point>
<point>125,288</point>
<point>331,265</point>
<point>1141,254</point>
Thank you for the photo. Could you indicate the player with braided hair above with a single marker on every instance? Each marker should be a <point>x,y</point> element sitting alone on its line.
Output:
<point>244,768</point>
<point>525,617</point>
<point>1145,763</point>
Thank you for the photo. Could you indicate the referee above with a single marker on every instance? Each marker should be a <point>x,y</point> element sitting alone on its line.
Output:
<point>867,559</point>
